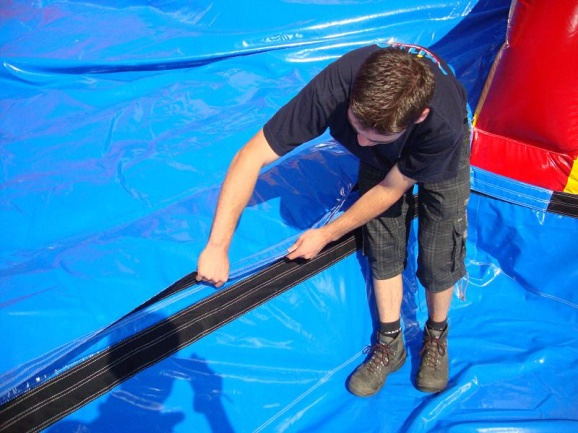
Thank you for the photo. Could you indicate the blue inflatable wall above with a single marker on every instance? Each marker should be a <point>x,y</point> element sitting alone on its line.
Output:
<point>118,120</point>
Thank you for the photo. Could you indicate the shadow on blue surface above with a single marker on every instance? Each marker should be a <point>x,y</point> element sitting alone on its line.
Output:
<point>142,400</point>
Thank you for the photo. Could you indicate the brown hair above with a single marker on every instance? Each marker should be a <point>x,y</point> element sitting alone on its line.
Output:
<point>391,90</point>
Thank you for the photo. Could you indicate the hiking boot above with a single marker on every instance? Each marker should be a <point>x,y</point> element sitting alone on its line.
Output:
<point>387,355</point>
<point>434,368</point>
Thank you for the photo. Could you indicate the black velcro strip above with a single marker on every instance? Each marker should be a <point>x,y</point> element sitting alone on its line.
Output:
<point>65,393</point>
<point>564,203</point>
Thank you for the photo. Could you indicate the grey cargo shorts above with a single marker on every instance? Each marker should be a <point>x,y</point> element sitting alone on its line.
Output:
<point>442,228</point>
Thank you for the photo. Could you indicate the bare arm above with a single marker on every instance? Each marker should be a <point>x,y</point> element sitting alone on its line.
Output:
<point>376,201</point>
<point>213,265</point>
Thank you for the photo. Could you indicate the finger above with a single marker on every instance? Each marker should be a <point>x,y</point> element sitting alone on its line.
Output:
<point>294,246</point>
<point>294,254</point>
<point>218,281</point>
<point>205,279</point>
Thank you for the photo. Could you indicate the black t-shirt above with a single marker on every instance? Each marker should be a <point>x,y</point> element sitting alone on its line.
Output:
<point>426,152</point>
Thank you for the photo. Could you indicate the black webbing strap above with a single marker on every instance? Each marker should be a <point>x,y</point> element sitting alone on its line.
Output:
<point>182,284</point>
<point>564,203</point>
<point>65,393</point>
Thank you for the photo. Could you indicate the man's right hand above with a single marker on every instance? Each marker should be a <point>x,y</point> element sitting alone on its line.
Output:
<point>239,184</point>
<point>213,266</point>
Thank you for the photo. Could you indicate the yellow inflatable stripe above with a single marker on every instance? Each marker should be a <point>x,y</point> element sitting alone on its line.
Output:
<point>572,185</point>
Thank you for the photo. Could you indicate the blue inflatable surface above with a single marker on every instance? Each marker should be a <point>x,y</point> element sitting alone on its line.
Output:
<point>117,124</point>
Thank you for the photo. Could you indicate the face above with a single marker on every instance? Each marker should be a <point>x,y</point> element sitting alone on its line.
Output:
<point>368,137</point>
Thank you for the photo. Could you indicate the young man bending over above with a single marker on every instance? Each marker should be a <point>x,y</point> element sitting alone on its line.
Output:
<point>402,112</point>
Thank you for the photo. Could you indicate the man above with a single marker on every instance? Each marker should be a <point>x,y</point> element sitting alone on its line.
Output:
<point>403,113</point>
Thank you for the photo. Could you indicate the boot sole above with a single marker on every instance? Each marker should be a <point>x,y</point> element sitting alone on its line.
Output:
<point>431,389</point>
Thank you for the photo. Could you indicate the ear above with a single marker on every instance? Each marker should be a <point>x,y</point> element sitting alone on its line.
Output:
<point>423,116</point>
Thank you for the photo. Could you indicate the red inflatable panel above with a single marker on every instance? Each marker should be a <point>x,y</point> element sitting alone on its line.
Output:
<point>520,161</point>
<point>527,125</point>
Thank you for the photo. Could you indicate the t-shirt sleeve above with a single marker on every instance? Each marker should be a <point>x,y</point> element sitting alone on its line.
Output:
<point>308,114</point>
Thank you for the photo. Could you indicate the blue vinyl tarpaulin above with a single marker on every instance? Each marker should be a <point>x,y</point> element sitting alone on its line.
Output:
<point>117,124</point>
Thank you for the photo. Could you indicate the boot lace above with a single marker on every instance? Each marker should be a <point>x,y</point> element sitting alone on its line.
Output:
<point>381,354</point>
<point>434,348</point>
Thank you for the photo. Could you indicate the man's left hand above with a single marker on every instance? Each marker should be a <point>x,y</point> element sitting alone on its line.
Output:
<point>309,244</point>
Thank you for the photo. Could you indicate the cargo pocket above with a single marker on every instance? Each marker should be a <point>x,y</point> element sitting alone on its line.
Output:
<point>460,235</point>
